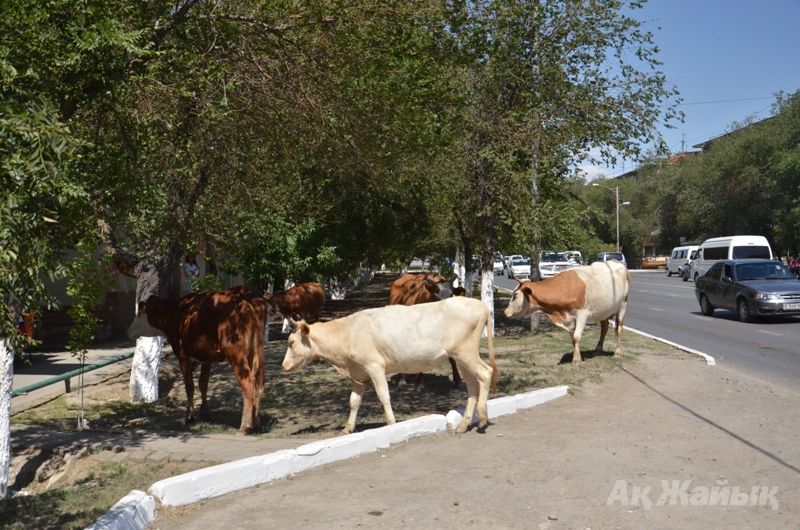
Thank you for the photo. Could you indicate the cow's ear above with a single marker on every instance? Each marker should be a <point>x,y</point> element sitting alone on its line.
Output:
<point>304,328</point>
<point>527,290</point>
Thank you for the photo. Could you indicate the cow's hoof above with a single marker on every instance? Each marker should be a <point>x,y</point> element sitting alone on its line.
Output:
<point>462,428</point>
<point>483,426</point>
<point>347,430</point>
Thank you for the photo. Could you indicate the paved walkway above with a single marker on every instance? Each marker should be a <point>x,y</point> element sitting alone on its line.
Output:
<point>42,365</point>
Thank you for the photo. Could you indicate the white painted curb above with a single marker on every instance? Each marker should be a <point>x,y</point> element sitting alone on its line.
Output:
<point>710,361</point>
<point>510,404</point>
<point>134,511</point>
<point>225,478</point>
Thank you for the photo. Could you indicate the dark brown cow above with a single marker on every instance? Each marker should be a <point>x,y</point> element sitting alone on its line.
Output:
<point>301,302</point>
<point>211,328</point>
<point>413,289</point>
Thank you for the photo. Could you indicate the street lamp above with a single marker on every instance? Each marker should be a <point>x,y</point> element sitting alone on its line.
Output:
<point>615,190</point>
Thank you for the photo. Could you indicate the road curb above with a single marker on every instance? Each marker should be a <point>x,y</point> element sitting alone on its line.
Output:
<point>710,361</point>
<point>137,510</point>
<point>509,404</point>
<point>134,511</point>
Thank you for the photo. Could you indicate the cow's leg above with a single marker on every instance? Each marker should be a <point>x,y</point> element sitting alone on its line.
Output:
<point>188,384</point>
<point>620,318</point>
<point>580,323</point>
<point>478,376</point>
<point>355,401</point>
<point>378,376</point>
<point>456,375</point>
<point>205,374</point>
<point>603,332</point>
<point>247,377</point>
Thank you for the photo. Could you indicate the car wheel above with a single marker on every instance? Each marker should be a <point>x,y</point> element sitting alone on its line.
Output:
<point>743,310</point>
<point>705,306</point>
<point>669,273</point>
<point>685,276</point>
<point>695,277</point>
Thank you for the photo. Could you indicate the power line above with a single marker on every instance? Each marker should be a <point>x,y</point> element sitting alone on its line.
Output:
<point>723,101</point>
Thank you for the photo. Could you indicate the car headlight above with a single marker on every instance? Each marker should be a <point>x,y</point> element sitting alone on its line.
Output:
<point>769,297</point>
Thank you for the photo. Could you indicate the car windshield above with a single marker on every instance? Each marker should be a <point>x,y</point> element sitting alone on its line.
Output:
<point>762,271</point>
<point>520,262</point>
<point>553,256</point>
<point>615,255</point>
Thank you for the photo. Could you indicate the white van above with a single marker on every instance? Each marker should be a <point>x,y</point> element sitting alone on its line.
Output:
<point>731,247</point>
<point>679,258</point>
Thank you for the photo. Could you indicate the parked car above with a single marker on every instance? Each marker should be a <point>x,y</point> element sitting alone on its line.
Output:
<point>605,256</point>
<point>751,287</point>
<point>551,263</point>
<point>520,268</point>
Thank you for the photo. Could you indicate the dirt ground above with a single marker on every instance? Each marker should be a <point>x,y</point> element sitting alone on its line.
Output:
<point>665,442</point>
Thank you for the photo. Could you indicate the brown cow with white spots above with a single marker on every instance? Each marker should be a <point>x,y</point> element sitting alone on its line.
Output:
<point>571,298</point>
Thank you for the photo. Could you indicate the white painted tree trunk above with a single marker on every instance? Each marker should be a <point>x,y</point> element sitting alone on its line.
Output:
<point>469,283</point>
<point>287,326</point>
<point>144,370</point>
<point>6,382</point>
<point>487,294</point>
<point>336,289</point>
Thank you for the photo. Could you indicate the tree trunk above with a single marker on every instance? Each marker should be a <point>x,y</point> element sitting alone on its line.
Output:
<point>144,370</point>
<point>151,280</point>
<point>6,382</point>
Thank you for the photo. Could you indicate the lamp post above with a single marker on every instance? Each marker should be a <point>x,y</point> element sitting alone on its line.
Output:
<point>617,204</point>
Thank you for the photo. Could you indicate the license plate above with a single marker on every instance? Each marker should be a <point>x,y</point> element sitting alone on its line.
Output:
<point>791,307</point>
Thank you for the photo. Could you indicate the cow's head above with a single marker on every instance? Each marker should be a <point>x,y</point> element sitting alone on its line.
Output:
<point>438,286</point>
<point>522,301</point>
<point>146,320</point>
<point>300,350</point>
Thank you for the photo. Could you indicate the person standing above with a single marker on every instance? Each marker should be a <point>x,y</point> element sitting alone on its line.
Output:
<point>190,273</point>
<point>793,265</point>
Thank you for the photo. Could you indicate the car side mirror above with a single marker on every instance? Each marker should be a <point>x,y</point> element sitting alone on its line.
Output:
<point>727,279</point>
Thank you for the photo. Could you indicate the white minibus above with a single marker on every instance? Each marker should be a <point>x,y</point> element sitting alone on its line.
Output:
<point>679,258</point>
<point>730,247</point>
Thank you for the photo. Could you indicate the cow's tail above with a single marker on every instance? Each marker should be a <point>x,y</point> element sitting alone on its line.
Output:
<point>490,343</point>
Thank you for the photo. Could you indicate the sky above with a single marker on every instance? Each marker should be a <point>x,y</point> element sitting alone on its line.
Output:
<point>727,58</point>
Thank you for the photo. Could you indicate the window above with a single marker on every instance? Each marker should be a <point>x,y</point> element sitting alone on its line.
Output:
<point>728,272</point>
<point>751,251</point>
<point>716,253</point>
<point>715,272</point>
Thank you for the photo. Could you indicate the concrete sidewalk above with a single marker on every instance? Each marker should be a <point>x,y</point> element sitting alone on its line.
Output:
<point>643,449</point>
<point>39,366</point>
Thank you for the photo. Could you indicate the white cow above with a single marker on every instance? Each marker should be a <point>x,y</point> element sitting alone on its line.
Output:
<point>371,344</point>
<point>571,298</point>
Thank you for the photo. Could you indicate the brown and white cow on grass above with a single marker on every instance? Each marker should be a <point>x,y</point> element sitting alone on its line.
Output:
<point>211,328</point>
<point>369,344</point>
<point>571,298</point>
<point>412,289</point>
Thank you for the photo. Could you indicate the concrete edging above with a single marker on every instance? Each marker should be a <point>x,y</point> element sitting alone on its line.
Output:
<point>509,404</point>
<point>710,361</point>
<point>134,511</point>
<point>137,510</point>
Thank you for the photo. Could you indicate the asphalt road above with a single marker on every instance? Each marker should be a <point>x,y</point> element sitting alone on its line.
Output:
<point>768,349</point>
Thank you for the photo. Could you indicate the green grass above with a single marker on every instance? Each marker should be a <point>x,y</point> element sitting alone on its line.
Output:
<point>92,491</point>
